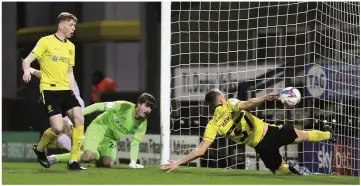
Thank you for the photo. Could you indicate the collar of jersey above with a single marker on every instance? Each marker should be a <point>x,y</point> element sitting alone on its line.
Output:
<point>65,40</point>
<point>215,108</point>
<point>219,105</point>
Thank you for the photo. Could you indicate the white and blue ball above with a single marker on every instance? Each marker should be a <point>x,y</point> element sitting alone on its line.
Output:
<point>290,97</point>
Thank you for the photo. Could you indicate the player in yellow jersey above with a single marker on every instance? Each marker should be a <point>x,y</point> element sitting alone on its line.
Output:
<point>56,55</point>
<point>63,140</point>
<point>231,119</point>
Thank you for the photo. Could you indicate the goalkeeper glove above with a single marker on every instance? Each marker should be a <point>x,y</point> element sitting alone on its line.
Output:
<point>134,165</point>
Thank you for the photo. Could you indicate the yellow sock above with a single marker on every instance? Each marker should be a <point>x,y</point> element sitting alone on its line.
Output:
<point>47,137</point>
<point>316,136</point>
<point>77,136</point>
<point>283,169</point>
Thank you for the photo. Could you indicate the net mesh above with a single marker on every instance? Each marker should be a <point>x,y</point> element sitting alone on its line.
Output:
<point>247,49</point>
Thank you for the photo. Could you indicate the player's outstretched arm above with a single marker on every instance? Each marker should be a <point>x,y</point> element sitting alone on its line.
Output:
<point>196,153</point>
<point>254,102</point>
<point>26,67</point>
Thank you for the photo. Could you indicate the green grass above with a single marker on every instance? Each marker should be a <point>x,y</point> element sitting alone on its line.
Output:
<point>32,173</point>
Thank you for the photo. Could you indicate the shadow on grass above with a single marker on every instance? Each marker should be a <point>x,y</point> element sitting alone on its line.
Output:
<point>241,174</point>
<point>37,171</point>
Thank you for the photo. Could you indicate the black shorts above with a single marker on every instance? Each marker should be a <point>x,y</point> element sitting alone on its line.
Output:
<point>268,147</point>
<point>59,101</point>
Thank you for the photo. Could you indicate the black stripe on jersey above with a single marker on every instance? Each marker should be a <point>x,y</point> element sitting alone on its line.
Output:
<point>249,123</point>
<point>239,118</point>
<point>231,129</point>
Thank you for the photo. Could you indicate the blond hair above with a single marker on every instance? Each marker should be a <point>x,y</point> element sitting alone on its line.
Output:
<point>65,16</point>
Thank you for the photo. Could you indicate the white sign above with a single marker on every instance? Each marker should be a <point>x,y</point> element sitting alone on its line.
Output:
<point>324,159</point>
<point>316,80</point>
<point>150,148</point>
<point>15,149</point>
<point>4,149</point>
<point>191,83</point>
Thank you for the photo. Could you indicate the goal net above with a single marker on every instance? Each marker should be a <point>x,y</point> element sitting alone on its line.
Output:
<point>247,49</point>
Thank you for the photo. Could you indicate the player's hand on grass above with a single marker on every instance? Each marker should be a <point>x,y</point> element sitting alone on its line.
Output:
<point>272,96</point>
<point>134,165</point>
<point>171,165</point>
<point>27,77</point>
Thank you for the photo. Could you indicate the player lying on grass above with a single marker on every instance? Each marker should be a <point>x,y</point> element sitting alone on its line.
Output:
<point>118,119</point>
<point>231,119</point>
<point>63,139</point>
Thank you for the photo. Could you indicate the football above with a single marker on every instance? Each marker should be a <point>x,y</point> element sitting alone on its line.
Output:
<point>290,97</point>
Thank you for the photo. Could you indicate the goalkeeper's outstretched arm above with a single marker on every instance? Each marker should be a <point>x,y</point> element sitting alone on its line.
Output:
<point>196,153</point>
<point>100,107</point>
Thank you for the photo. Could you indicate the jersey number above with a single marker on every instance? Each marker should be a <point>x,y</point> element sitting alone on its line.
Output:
<point>111,145</point>
<point>245,135</point>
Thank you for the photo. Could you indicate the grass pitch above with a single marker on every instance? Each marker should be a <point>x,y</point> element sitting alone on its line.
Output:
<point>33,173</point>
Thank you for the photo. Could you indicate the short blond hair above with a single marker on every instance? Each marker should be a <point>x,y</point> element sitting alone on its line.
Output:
<point>65,16</point>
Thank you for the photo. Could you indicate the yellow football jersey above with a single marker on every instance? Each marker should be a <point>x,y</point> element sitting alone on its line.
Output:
<point>55,57</point>
<point>238,125</point>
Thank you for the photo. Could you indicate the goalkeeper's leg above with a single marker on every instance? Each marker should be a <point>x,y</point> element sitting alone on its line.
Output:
<point>88,154</point>
<point>64,158</point>
<point>107,151</point>
<point>92,138</point>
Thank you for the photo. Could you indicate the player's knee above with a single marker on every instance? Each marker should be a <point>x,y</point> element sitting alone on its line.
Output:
<point>88,156</point>
<point>57,129</point>
<point>78,120</point>
<point>107,162</point>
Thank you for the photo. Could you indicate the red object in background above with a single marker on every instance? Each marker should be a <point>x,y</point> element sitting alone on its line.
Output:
<point>106,85</point>
<point>343,160</point>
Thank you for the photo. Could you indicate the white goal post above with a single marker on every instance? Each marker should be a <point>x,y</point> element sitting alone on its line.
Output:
<point>248,49</point>
<point>165,80</point>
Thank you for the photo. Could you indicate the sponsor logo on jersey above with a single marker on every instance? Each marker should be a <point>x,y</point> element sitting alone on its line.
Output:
<point>64,59</point>
<point>55,58</point>
<point>50,108</point>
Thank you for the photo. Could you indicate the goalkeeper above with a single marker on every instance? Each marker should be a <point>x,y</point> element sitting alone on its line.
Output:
<point>231,119</point>
<point>119,118</point>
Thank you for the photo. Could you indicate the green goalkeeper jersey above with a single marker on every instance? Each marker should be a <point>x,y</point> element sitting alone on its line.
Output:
<point>118,118</point>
